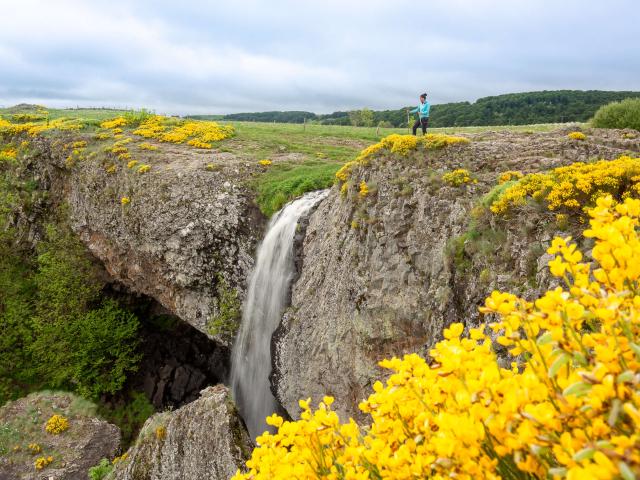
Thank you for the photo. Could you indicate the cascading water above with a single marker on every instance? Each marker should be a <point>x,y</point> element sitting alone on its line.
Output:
<point>263,309</point>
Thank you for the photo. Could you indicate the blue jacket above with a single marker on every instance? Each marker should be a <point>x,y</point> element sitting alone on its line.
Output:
<point>422,109</point>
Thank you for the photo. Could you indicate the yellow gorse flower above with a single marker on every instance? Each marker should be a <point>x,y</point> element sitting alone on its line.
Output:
<point>569,407</point>
<point>199,134</point>
<point>57,424</point>
<point>364,189</point>
<point>509,175</point>
<point>43,462</point>
<point>574,186</point>
<point>459,177</point>
<point>577,136</point>
<point>265,163</point>
<point>400,144</point>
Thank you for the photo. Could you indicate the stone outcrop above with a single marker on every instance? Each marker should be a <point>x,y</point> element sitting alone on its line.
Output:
<point>86,441</point>
<point>188,227</point>
<point>204,440</point>
<point>379,274</point>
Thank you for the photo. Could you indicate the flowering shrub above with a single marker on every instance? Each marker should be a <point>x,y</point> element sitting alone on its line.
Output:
<point>56,424</point>
<point>364,189</point>
<point>199,134</point>
<point>265,163</point>
<point>568,408</point>
<point>577,136</point>
<point>43,462</point>
<point>574,186</point>
<point>132,163</point>
<point>114,123</point>
<point>36,128</point>
<point>459,177</point>
<point>34,448</point>
<point>400,144</point>
<point>144,168</point>
<point>111,169</point>
<point>147,146</point>
<point>125,201</point>
<point>509,175</point>
<point>161,433</point>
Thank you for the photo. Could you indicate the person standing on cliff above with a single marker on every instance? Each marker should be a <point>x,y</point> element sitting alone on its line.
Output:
<point>423,115</point>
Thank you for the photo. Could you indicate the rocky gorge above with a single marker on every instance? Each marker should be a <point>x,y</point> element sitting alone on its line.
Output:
<point>376,276</point>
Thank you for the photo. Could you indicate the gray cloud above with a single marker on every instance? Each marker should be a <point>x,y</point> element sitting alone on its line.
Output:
<point>199,56</point>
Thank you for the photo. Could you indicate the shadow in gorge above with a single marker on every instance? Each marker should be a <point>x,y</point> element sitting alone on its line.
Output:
<point>177,362</point>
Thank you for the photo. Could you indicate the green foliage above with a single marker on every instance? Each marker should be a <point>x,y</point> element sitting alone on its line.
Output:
<point>510,109</point>
<point>136,117</point>
<point>624,114</point>
<point>100,471</point>
<point>56,330</point>
<point>495,193</point>
<point>227,320</point>
<point>361,118</point>
<point>130,416</point>
<point>285,182</point>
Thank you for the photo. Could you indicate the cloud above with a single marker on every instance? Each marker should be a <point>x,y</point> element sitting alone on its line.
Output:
<point>198,56</point>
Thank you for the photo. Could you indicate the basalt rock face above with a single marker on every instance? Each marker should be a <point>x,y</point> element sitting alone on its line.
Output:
<point>186,229</point>
<point>204,440</point>
<point>382,275</point>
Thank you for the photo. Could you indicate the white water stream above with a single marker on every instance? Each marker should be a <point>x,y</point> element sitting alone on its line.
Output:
<point>263,309</point>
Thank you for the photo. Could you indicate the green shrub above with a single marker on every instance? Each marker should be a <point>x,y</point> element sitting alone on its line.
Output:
<point>624,114</point>
<point>227,320</point>
<point>100,471</point>
<point>129,417</point>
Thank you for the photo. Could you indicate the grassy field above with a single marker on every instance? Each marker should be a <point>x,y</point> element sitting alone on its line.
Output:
<point>304,157</point>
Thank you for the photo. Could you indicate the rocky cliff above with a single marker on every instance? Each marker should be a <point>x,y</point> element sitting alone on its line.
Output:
<point>187,233</point>
<point>203,440</point>
<point>382,274</point>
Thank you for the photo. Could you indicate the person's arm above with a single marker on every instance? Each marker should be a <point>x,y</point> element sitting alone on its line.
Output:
<point>415,110</point>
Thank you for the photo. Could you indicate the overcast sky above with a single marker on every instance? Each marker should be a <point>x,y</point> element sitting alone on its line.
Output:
<point>230,56</point>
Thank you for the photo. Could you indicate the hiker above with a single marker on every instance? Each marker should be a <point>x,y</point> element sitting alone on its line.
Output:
<point>423,115</point>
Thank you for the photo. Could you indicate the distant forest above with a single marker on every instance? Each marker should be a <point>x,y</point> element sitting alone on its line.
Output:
<point>510,109</point>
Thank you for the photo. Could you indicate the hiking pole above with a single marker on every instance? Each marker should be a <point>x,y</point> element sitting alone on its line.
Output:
<point>408,122</point>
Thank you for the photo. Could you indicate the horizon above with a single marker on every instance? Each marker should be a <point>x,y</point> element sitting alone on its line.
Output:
<point>187,114</point>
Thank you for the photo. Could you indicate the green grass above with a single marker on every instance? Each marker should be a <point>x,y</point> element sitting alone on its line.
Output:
<point>284,182</point>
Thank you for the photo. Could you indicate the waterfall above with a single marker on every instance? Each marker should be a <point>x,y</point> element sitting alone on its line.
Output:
<point>264,305</point>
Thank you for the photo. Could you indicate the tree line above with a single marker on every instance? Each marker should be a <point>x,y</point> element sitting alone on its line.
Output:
<point>511,109</point>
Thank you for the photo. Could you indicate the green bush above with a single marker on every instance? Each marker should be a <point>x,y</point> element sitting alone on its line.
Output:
<point>100,471</point>
<point>129,417</point>
<point>624,114</point>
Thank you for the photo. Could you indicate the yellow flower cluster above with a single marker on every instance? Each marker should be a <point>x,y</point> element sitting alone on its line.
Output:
<point>9,153</point>
<point>574,186</point>
<point>400,144</point>
<point>569,407</point>
<point>36,128</point>
<point>364,189</point>
<point>121,458</point>
<point>34,448</point>
<point>265,163</point>
<point>509,175</point>
<point>114,123</point>
<point>57,424</point>
<point>144,168</point>
<point>161,432</point>
<point>147,146</point>
<point>125,201</point>
<point>577,136</point>
<point>132,163</point>
<point>43,462</point>
<point>199,134</point>
<point>459,177</point>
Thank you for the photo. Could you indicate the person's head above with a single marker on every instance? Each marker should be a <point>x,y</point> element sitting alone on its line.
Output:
<point>423,98</point>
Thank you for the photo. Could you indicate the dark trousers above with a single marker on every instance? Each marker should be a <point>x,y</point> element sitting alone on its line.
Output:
<point>424,123</point>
